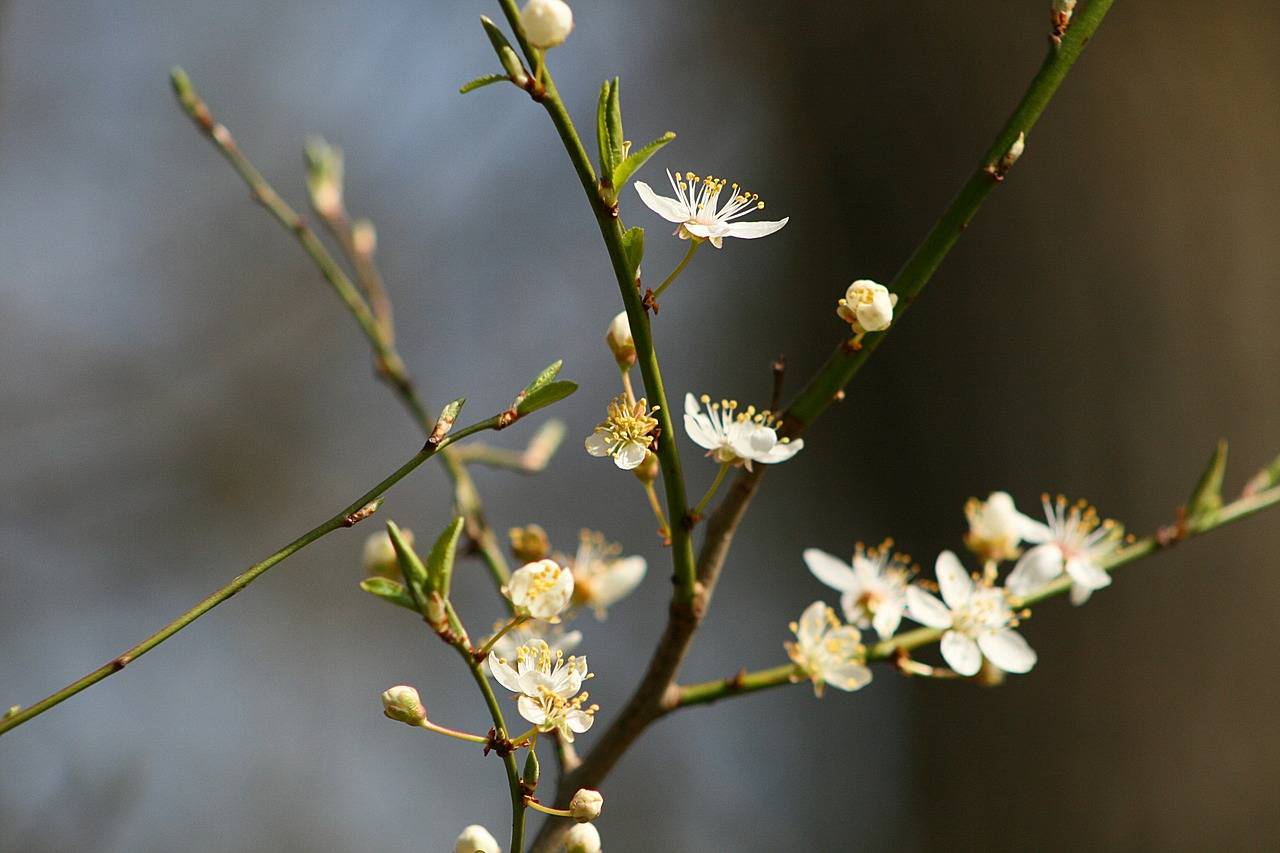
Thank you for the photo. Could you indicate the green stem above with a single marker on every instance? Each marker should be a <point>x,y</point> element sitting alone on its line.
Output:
<point>925,260</point>
<point>508,760</point>
<point>238,583</point>
<point>711,491</point>
<point>514,622</point>
<point>751,682</point>
<point>453,733</point>
<point>374,325</point>
<point>694,243</point>
<point>646,356</point>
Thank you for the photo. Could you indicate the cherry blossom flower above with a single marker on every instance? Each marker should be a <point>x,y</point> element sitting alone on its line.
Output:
<point>697,211</point>
<point>737,438</point>
<point>996,528</point>
<point>625,434</point>
<point>601,577</point>
<point>873,591</point>
<point>977,619</point>
<point>828,652</point>
<point>547,683</point>
<point>556,637</point>
<point>541,590</point>
<point>867,306</point>
<point>1074,541</point>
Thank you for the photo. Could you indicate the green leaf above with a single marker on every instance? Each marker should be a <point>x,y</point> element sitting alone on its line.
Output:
<point>638,158</point>
<point>633,248</point>
<point>415,574</point>
<point>1265,479</point>
<point>481,82</point>
<point>1207,497</point>
<point>614,122</point>
<point>551,372</point>
<point>552,392</point>
<point>440,560</point>
<point>389,590</point>
<point>496,37</point>
<point>602,133</point>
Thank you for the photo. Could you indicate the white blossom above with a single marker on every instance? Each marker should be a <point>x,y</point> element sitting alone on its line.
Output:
<point>976,618</point>
<point>828,652</point>
<point>697,211</point>
<point>873,590</point>
<point>734,437</point>
<point>867,306</point>
<point>546,23</point>
<point>582,838</point>
<point>601,576</point>
<point>556,637</point>
<point>620,341</point>
<point>476,839</point>
<point>548,685</point>
<point>1074,541</point>
<point>625,434</point>
<point>542,589</point>
<point>996,528</point>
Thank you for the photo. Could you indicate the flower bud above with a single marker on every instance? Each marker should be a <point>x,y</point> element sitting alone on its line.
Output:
<point>380,555</point>
<point>867,306</point>
<point>620,342</point>
<point>324,176</point>
<point>585,805</point>
<point>529,544</point>
<point>546,23</point>
<point>511,64</point>
<point>476,839</point>
<point>648,470</point>
<point>403,703</point>
<point>582,838</point>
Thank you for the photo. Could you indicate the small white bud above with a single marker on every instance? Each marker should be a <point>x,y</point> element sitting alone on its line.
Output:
<point>620,342</point>
<point>585,805</point>
<point>380,555</point>
<point>867,306</point>
<point>402,703</point>
<point>476,839</point>
<point>582,838</point>
<point>546,23</point>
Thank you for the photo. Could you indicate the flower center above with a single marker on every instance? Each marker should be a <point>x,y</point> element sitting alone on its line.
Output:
<point>628,423</point>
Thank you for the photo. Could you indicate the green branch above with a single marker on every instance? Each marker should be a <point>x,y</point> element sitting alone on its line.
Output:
<point>358,509</point>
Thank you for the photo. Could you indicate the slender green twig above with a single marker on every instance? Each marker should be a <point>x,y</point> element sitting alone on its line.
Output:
<point>376,325</point>
<point>712,489</point>
<point>675,273</point>
<point>886,650</point>
<point>344,518</point>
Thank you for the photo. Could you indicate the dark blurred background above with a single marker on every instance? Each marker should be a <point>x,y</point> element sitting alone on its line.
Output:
<point>182,395</point>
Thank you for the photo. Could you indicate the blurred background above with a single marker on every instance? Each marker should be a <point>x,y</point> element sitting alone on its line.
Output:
<point>182,394</point>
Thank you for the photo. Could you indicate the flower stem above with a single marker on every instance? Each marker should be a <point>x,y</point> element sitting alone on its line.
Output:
<point>694,243</point>
<point>534,804</point>
<point>515,622</point>
<point>663,527</point>
<point>453,733</point>
<point>714,487</point>
<point>239,582</point>
<point>626,385</point>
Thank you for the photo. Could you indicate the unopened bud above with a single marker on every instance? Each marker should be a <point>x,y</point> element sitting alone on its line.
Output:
<point>546,23</point>
<point>403,703</point>
<point>582,838</point>
<point>529,544</point>
<point>867,306</point>
<point>364,238</point>
<point>585,805</point>
<point>531,770</point>
<point>380,555</point>
<point>324,176</point>
<point>1061,15</point>
<point>511,64</point>
<point>620,342</point>
<point>476,839</point>
<point>1015,151</point>
<point>648,470</point>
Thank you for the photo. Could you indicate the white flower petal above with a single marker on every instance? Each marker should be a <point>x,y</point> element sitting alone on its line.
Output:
<point>630,456</point>
<point>691,406</point>
<point>781,452</point>
<point>888,617</point>
<point>505,675</point>
<point>699,229</point>
<point>953,580</point>
<point>1086,573</point>
<point>1080,594</point>
<point>831,570</point>
<point>961,653</point>
<point>1008,650</point>
<point>618,581</point>
<point>752,230</point>
<point>700,430</point>
<point>1034,569</point>
<point>579,721</point>
<point>668,208</point>
<point>849,675</point>
<point>927,610</point>
<point>597,444</point>
<point>813,624</point>
<point>531,710</point>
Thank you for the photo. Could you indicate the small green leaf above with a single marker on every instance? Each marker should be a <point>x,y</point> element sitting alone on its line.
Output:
<point>1265,479</point>
<point>481,82</point>
<point>415,574</point>
<point>440,560</point>
<point>629,166</point>
<point>602,133</point>
<point>551,372</point>
<point>633,248</point>
<point>552,392</point>
<point>614,121</point>
<point>1207,497</point>
<point>389,590</point>
<point>496,37</point>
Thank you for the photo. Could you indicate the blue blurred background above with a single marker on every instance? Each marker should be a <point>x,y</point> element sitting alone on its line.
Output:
<point>181,395</point>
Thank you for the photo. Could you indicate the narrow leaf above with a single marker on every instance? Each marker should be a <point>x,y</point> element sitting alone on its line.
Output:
<point>614,120</point>
<point>1207,497</point>
<point>629,166</point>
<point>551,372</point>
<point>1265,479</point>
<point>633,248</point>
<point>389,590</point>
<point>440,560</point>
<point>552,392</point>
<point>481,82</point>
<point>496,37</point>
<point>602,133</point>
<point>415,574</point>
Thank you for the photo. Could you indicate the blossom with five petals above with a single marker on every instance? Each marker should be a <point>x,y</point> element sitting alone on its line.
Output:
<point>873,591</point>
<point>738,438</point>
<point>1074,541</point>
<point>996,528</point>
<point>547,683</point>
<point>625,434</point>
<point>828,652</point>
<point>601,576</point>
<point>697,211</point>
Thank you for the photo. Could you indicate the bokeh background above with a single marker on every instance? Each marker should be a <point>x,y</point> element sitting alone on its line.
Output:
<point>181,395</point>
